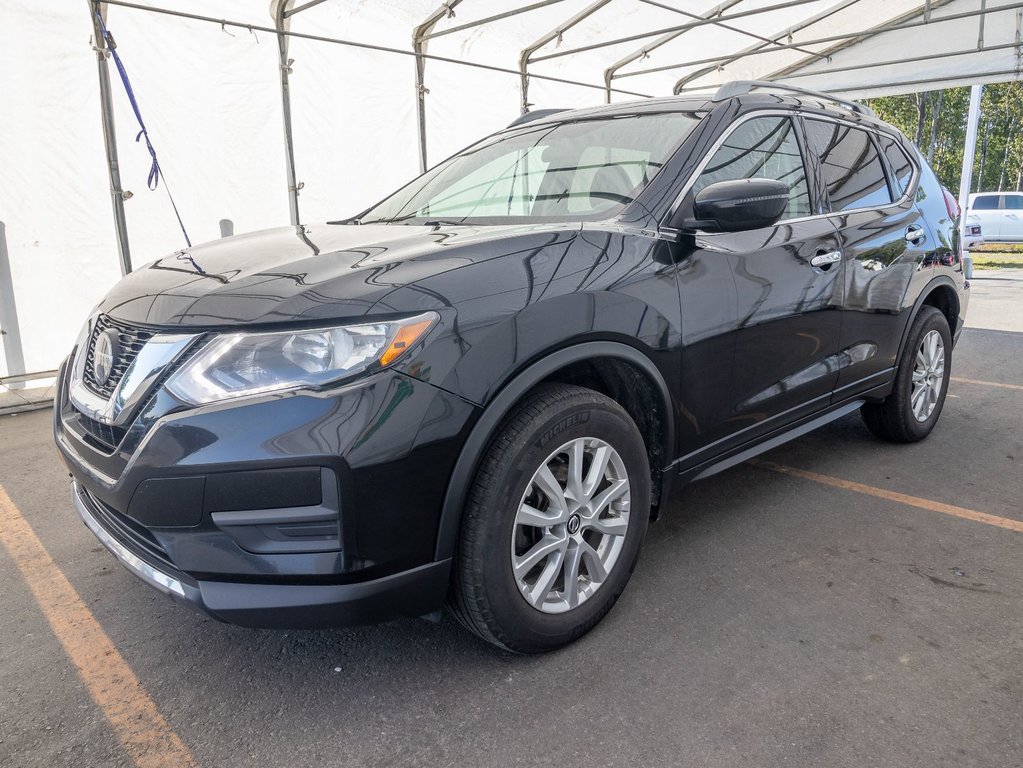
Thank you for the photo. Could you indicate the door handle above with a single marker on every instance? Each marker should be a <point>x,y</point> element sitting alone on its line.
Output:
<point>826,259</point>
<point>915,234</point>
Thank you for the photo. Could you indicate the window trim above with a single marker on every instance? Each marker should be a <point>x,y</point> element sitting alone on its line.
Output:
<point>893,180</point>
<point>977,195</point>
<point>873,138</point>
<point>793,114</point>
<point>1006,196</point>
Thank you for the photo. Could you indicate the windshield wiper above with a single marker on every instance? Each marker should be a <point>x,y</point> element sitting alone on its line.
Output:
<point>438,223</point>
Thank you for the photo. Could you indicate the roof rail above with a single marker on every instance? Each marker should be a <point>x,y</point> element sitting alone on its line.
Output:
<point>536,114</point>
<point>740,87</point>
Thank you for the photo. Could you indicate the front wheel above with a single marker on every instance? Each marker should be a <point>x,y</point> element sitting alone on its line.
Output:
<point>910,412</point>
<point>554,523</point>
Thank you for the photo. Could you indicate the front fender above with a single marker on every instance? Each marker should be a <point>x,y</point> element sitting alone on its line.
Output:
<point>512,391</point>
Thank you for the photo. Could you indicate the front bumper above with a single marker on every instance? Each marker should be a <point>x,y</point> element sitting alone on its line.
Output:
<point>310,510</point>
<point>409,593</point>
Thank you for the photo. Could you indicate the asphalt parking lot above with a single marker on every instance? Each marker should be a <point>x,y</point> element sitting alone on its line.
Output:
<point>841,602</point>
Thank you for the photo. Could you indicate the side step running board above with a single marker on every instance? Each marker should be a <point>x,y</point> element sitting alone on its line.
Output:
<point>774,442</point>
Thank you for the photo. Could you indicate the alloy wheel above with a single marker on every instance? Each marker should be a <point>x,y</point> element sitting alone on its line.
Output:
<point>570,525</point>
<point>928,375</point>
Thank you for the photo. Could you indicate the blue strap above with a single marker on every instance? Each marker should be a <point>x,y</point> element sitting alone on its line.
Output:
<point>153,181</point>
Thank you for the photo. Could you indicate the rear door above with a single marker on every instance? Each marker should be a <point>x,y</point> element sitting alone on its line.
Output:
<point>1012,217</point>
<point>883,239</point>
<point>788,312</point>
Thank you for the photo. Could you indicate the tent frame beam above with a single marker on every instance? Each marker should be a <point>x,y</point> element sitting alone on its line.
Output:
<point>643,52</point>
<point>676,28</point>
<point>555,34</point>
<point>887,26</point>
<point>831,10</point>
<point>821,40</point>
<point>489,19</point>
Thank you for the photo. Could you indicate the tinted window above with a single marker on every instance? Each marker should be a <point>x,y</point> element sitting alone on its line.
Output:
<point>902,168</point>
<point>1013,202</point>
<point>852,169</point>
<point>550,172</point>
<point>763,148</point>
<point>985,203</point>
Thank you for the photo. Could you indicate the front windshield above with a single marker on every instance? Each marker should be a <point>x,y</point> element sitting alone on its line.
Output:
<point>571,171</point>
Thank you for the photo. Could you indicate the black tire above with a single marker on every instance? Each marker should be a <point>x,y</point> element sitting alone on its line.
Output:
<point>485,595</point>
<point>893,418</point>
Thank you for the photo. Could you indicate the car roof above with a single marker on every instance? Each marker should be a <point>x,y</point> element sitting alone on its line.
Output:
<point>704,103</point>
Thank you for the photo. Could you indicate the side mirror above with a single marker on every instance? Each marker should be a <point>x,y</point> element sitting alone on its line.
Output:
<point>735,206</point>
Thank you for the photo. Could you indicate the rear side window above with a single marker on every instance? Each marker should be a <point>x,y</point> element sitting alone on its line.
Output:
<point>852,170</point>
<point>1013,202</point>
<point>985,203</point>
<point>762,148</point>
<point>900,164</point>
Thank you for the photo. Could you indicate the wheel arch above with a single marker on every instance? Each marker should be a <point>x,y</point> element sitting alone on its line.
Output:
<point>564,365</point>
<point>940,293</point>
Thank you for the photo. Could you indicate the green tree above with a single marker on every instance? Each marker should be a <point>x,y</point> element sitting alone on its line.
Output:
<point>936,122</point>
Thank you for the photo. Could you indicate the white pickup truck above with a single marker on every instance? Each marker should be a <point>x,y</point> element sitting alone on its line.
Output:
<point>999,214</point>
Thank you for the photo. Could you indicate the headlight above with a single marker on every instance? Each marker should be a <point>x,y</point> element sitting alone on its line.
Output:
<point>240,364</point>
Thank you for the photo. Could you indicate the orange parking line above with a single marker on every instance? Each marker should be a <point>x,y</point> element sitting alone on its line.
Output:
<point>902,498</point>
<point>959,380</point>
<point>132,714</point>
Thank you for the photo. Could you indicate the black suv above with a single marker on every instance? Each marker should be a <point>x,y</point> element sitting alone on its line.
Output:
<point>480,390</point>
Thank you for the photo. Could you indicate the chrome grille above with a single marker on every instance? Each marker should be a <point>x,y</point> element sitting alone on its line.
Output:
<point>130,341</point>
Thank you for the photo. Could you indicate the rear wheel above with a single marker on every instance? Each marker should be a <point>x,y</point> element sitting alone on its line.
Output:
<point>910,412</point>
<point>554,522</point>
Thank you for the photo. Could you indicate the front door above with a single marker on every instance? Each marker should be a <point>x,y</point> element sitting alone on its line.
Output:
<point>787,310</point>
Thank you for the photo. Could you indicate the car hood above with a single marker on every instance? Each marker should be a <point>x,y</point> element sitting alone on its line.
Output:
<point>308,273</point>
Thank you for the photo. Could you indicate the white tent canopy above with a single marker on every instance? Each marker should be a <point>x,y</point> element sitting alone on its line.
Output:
<point>209,89</point>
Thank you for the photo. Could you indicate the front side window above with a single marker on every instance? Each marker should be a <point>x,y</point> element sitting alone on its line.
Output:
<point>572,171</point>
<point>762,148</point>
<point>853,174</point>
<point>1013,202</point>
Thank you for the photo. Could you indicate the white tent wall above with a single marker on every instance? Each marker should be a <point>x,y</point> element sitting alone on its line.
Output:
<point>52,180</point>
<point>211,100</point>
<point>212,107</point>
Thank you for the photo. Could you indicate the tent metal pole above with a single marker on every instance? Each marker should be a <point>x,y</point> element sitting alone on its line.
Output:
<point>496,17</point>
<point>305,6</point>
<point>795,75</point>
<point>554,34</point>
<point>830,51</point>
<point>721,24</point>
<point>969,149</point>
<point>420,37</point>
<point>676,28</point>
<point>10,330</point>
<point>110,137</point>
<point>642,53</point>
<point>280,12</point>
<point>786,33</point>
